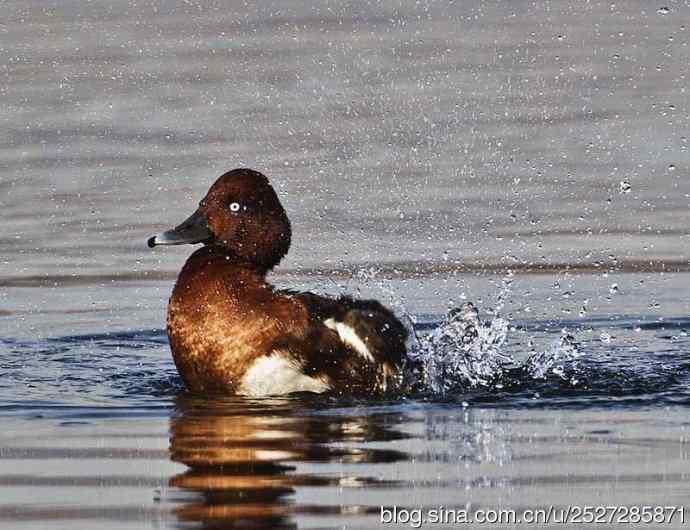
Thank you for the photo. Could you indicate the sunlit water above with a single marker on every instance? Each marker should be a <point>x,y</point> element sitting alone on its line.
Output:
<point>500,412</point>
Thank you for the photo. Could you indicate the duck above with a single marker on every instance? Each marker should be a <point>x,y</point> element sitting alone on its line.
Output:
<point>232,332</point>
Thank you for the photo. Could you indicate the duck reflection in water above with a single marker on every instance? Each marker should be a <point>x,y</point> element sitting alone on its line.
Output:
<point>243,457</point>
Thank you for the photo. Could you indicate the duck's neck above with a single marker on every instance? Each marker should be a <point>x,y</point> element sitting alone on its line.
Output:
<point>221,260</point>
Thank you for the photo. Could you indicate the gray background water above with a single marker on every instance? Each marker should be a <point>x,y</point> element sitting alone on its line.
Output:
<point>474,132</point>
<point>411,143</point>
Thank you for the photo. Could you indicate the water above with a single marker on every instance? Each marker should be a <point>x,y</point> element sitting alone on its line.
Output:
<point>428,135</point>
<point>529,413</point>
<point>310,464</point>
<point>528,157</point>
<point>506,363</point>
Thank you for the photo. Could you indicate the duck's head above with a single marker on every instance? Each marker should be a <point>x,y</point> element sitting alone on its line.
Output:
<point>241,216</point>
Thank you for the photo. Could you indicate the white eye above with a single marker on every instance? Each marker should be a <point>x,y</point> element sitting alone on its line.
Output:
<point>235,207</point>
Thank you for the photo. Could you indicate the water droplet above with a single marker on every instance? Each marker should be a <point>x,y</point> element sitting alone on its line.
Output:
<point>605,337</point>
<point>624,186</point>
<point>663,10</point>
<point>671,167</point>
<point>614,288</point>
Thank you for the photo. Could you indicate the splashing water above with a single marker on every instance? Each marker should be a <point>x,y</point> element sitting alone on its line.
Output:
<point>465,353</point>
<point>561,359</point>
<point>462,352</point>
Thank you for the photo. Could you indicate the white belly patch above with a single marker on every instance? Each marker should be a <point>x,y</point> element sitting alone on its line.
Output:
<point>277,374</point>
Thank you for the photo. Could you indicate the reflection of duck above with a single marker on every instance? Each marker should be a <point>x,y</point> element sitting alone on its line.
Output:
<point>240,456</point>
<point>231,331</point>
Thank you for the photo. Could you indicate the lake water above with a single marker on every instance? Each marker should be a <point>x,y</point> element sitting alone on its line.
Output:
<point>528,156</point>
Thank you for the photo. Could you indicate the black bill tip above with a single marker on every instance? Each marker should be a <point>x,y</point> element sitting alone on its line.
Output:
<point>151,242</point>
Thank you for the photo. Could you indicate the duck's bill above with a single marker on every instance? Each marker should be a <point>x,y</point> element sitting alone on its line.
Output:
<point>193,230</point>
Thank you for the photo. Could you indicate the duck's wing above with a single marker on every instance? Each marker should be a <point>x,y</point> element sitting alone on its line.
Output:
<point>367,327</point>
<point>341,345</point>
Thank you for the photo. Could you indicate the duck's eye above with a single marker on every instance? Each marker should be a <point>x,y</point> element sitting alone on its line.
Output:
<point>234,206</point>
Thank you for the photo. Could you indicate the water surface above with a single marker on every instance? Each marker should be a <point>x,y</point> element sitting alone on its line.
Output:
<point>98,429</point>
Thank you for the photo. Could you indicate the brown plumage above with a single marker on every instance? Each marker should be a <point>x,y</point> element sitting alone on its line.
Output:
<point>231,331</point>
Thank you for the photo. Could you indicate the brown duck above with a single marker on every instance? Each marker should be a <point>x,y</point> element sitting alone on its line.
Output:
<point>231,331</point>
